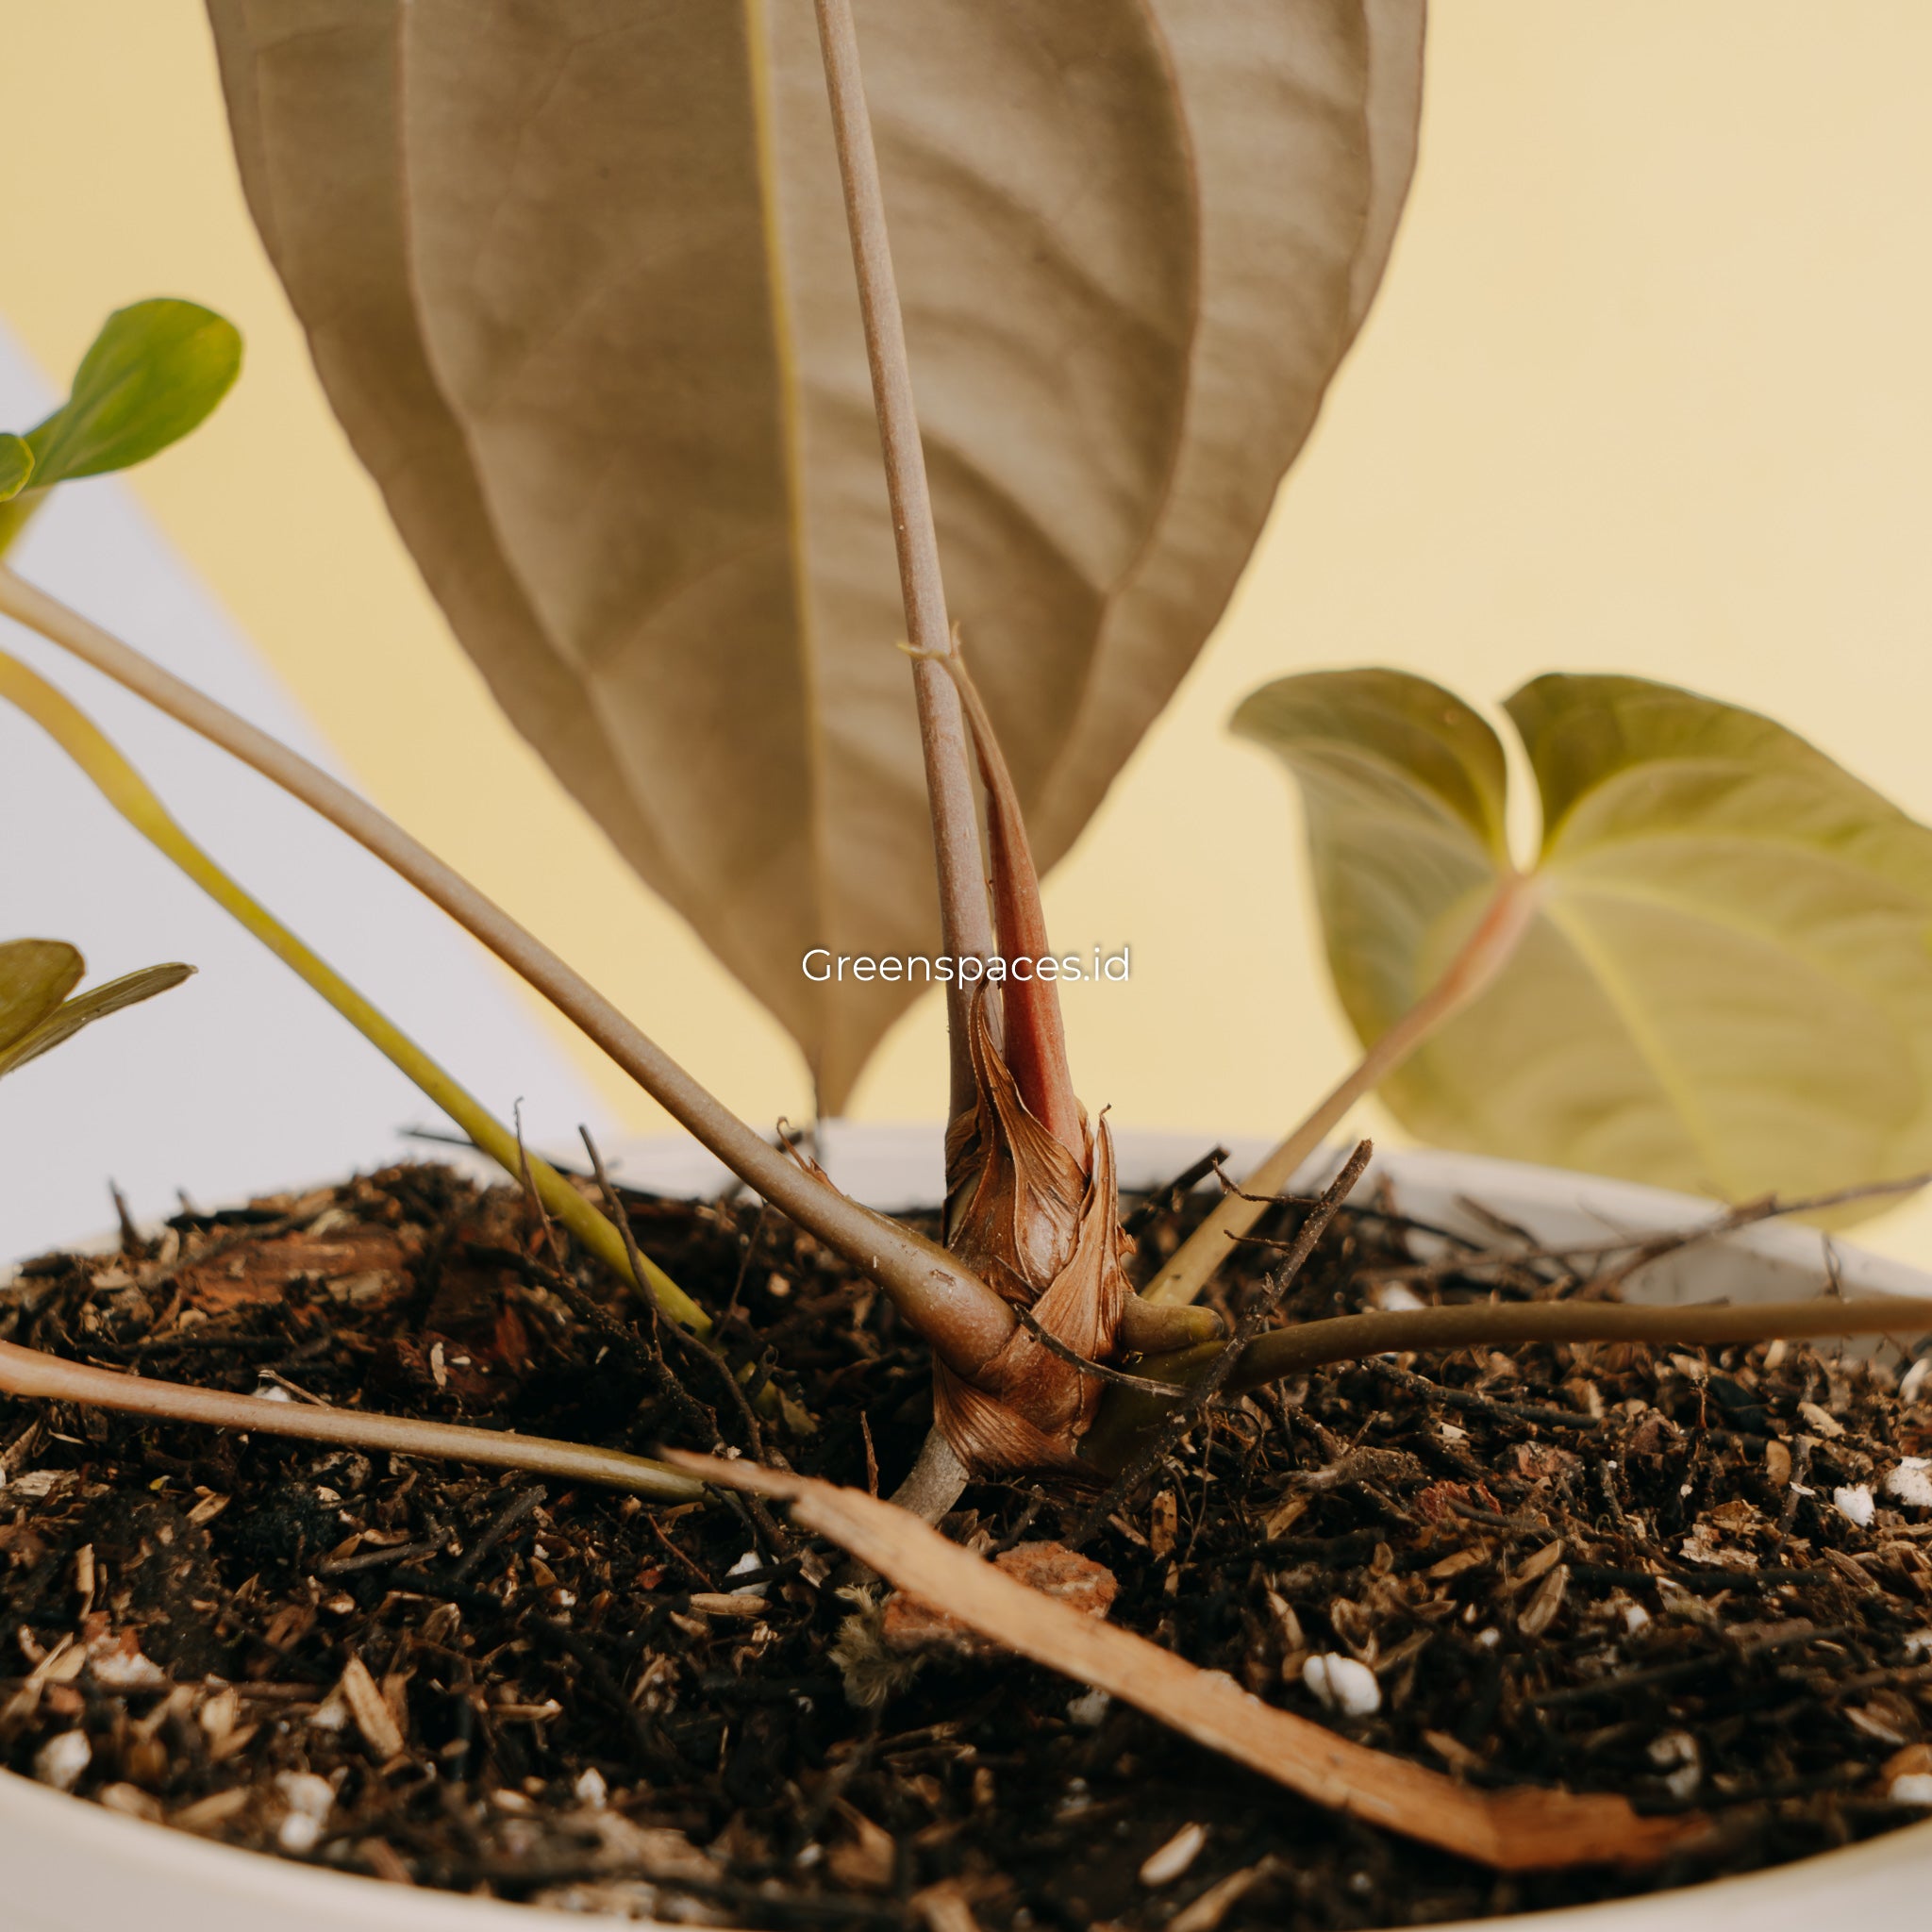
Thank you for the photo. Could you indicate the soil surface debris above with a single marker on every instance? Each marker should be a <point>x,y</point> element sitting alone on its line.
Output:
<point>1703,1579</point>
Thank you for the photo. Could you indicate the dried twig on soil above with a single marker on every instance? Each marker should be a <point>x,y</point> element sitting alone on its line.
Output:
<point>1213,1363</point>
<point>1168,1200</point>
<point>1482,1405</point>
<point>1520,1830</point>
<point>1639,1249</point>
<point>1166,1392</point>
<point>647,1350</point>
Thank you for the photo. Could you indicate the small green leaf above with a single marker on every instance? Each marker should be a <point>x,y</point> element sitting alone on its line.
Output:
<point>35,976</point>
<point>82,1010</point>
<point>151,374</point>
<point>16,465</point>
<point>1727,984</point>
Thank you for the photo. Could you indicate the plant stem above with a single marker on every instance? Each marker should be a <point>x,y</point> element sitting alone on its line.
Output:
<point>965,925</point>
<point>129,794</point>
<point>935,1482</point>
<point>1501,1325</point>
<point>964,1319</point>
<point>1484,954</point>
<point>15,514</point>
<point>27,1372</point>
<point>1497,1324</point>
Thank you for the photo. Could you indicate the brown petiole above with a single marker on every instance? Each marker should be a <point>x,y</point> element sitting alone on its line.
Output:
<point>29,1373</point>
<point>965,925</point>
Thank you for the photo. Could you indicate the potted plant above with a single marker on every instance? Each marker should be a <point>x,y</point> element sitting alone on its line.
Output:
<point>1051,1368</point>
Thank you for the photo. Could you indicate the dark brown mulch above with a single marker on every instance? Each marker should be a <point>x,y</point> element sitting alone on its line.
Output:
<point>1605,1568</point>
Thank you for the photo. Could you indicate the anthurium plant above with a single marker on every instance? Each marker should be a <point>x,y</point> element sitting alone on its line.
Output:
<point>628,402</point>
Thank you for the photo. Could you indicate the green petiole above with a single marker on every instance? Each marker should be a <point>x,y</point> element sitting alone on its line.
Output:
<point>130,795</point>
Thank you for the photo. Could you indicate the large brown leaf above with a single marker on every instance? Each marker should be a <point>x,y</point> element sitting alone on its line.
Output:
<point>577,280</point>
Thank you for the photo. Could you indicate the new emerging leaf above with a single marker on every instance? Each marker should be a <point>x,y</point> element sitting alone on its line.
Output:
<point>1727,983</point>
<point>154,373</point>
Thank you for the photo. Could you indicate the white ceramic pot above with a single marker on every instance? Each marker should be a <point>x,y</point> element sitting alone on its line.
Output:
<point>69,1866</point>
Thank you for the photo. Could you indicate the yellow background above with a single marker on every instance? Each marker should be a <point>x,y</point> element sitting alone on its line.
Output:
<point>1648,389</point>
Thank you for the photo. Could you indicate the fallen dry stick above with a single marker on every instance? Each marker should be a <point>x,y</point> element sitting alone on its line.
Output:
<point>26,1372</point>
<point>1512,1831</point>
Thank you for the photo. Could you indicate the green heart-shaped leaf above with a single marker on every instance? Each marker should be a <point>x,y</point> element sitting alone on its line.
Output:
<point>35,976</point>
<point>16,465</point>
<point>1405,788</point>
<point>151,374</point>
<point>42,966</point>
<point>1727,982</point>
